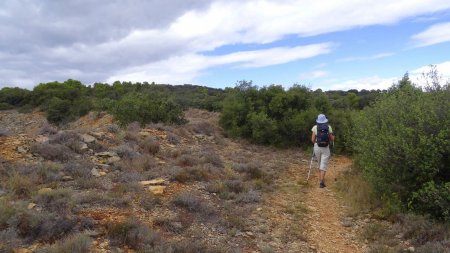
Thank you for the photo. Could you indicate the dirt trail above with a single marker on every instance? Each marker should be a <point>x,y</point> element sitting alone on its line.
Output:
<point>325,230</point>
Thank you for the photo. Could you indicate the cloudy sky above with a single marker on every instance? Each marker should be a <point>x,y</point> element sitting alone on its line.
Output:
<point>346,44</point>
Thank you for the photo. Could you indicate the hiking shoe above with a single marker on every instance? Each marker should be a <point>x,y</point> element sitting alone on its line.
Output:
<point>322,184</point>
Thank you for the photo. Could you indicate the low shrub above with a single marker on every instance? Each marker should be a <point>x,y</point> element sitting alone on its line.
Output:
<point>20,185</point>
<point>48,130</point>
<point>134,127</point>
<point>191,202</point>
<point>197,173</point>
<point>76,243</point>
<point>71,140</point>
<point>132,233</point>
<point>186,160</point>
<point>149,201</point>
<point>201,128</point>
<point>126,152</point>
<point>252,169</point>
<point>42,226</point>
<point>249,197</point>
<point>9,240</point>
<point>150,145</point>
<point>170,224</point>
<point>79,169</point>
<point>211,157</point>
<point>6,212</point>
<point>420,230</point>
<point>173,139</point>
<point>55,201</point>
<point>54,152</point>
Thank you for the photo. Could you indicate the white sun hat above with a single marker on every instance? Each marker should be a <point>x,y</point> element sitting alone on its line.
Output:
<point>321,119</point>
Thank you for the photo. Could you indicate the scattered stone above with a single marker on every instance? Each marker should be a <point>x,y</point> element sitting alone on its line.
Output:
<point>67,178</point>
<point>157,189</point>
<point>347,222</point>
<point>249,233</point>
<point>21,250</point>
<point>102,173</point>
<point>259,209</point>
<point>113,159</point>
<point>144,134</point>
<point>95,172</point>
<point>22,150</point>
<point>83,146</point>
<point>411,249</point>
<point>41,139</point>
<point>44,191</point>
<point>106,154</point>
<point>93,233</point>
<point>97,135</point>
<point>88,138</point>
<point>31,206</point>
<point>158,181</point>
<point>102,166</point>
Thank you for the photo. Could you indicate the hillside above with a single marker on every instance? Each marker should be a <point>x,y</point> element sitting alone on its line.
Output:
<point>94,180</point>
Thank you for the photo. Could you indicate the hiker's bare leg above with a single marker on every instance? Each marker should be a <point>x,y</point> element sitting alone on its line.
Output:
<point>322,175</point>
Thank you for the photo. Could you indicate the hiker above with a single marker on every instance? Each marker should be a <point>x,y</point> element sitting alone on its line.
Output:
<point>322,136</point>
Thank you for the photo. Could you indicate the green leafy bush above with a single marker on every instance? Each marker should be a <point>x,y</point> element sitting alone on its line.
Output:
<point>144,109</point>
<point>403,146</point>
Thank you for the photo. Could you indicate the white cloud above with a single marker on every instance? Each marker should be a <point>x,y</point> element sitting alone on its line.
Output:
<point>183,69</point>
<point>368,83</point>
<point>377,82</point>
<point>314,74</point>
<point>443,71</point>
<point>366,58</point>
<point>435,34</point>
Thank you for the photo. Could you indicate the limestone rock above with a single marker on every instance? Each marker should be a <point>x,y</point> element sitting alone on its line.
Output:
<point>83,146</point>
<point>113,159</point>
<point>41,139</point>
<point>157,189</point>
<point>22,149</point>
<point>31,206</point>
<point>88,138</point>
<point>106,154</point>
<point>95,172</point>
<point>158,181</point>
<point>67,178</point>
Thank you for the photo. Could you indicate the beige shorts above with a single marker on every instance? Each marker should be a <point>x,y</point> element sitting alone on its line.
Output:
<point>322,155</point>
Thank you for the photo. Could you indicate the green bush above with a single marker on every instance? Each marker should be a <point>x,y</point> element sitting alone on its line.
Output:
<point>13,96</point>
<point>432,199</point>
<point>144,109</point>
<point>403,146</point>
<point>5,106</point>
<point>58,110</point>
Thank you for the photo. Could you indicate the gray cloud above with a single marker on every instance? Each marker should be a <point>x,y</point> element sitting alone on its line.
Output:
<point>56,40</point>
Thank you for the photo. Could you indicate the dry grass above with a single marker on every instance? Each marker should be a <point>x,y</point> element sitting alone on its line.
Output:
<point>356,192</point>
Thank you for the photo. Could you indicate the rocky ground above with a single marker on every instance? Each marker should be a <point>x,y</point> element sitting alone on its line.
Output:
<point>241,197</point>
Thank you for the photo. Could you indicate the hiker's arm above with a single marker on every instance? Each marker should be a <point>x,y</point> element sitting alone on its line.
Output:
<point>313,137</point>
<point>331,137</point>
